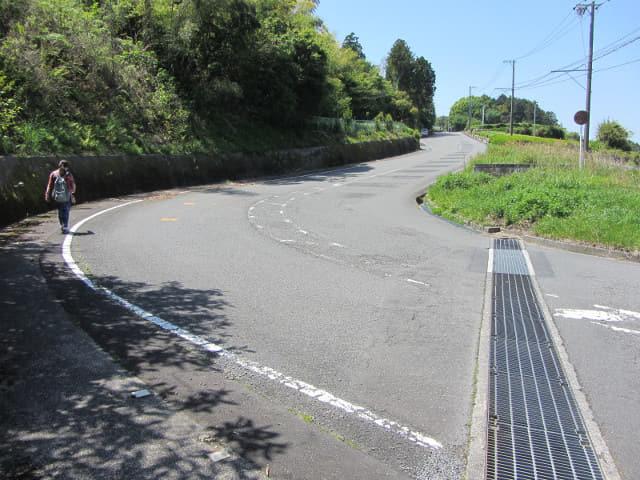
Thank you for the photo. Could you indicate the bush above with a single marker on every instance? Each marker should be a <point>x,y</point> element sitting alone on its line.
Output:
<point>551,131</point>
<point>614,135</point>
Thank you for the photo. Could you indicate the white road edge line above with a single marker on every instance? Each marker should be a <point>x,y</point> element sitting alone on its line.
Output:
<point>300,386</point>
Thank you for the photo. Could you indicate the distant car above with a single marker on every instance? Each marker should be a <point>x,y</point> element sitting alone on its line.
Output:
<point>424,132</point>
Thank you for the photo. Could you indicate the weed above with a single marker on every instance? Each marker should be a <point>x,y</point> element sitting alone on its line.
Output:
<point>598,204</point>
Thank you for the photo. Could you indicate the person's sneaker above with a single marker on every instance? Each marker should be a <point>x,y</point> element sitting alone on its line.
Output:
<point>65,230</point>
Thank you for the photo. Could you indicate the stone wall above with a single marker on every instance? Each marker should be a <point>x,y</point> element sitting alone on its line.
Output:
<point>23,179</point>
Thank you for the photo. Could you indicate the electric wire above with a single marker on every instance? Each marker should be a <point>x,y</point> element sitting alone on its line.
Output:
<point>560,31</point>
<point>617,66</point>
<point>613,47</point>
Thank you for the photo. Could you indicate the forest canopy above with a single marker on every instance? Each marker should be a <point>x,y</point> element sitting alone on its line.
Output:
<point>176,76</point>
<point>490,111</point>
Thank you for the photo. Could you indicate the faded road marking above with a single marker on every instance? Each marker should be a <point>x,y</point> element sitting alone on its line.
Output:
<point>618,320</point>
<point>298,385</point>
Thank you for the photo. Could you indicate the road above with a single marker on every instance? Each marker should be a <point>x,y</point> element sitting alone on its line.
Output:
<point>343,320</point>
<point>335,279</point>
<point>596,307</point>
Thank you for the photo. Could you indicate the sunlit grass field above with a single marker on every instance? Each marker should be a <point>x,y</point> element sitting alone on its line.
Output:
<point>598,204</point>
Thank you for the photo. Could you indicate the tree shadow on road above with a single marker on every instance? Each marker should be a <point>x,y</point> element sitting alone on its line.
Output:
<point>67,409</point>
<point>248,440</point>
<point>344,173</point>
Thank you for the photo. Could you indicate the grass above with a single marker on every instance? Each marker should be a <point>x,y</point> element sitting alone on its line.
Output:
<point>598,204</point>
<point>310,420</point>
<point>500,138</point>
<point>230,134</point>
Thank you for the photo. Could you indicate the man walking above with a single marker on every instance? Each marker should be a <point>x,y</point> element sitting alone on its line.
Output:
<point>61,189</point>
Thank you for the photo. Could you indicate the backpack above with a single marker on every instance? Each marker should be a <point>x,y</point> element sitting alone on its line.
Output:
<point>61,192</point>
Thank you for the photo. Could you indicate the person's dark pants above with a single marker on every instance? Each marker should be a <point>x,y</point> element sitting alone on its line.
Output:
<point>63,214</point>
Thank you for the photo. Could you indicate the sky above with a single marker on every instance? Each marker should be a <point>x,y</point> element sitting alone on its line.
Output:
<point>468,41</point>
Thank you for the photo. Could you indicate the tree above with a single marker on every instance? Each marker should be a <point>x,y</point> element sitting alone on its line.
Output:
<point>498,110</point>
<point>352,42</point>
<point>614,135</point>
<point>415,77</point>
<point>400,65</point>
<point>423,80</point>
<point>121,72</point>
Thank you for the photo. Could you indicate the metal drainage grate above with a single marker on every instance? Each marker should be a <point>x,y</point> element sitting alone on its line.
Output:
<point>535,428</point>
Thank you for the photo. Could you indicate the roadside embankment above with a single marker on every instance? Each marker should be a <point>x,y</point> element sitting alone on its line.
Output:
<point>23,179</point>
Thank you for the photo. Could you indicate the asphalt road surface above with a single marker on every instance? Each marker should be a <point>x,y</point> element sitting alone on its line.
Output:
<point>323,326</point>
<point>596,308</point>
<point>345,319</point>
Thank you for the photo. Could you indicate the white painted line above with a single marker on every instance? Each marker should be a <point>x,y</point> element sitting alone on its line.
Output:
<point>298,385</point>
<point>608,315</point>
<point>627,313</point>
<point>490,262</point>
<point>527,259</point>
<point>617,329</point>
<point>66,244</point>
<point>416,282</point>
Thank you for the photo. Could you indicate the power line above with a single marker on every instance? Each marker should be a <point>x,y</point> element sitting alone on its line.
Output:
<point>578,64</point>
<point>495,77</point>
<point>556,34</point>
<point>560,31</point>
<point>614,47</point>
<point>617,66</point>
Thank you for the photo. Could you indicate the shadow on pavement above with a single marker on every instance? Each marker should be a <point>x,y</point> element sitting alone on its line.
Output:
<point>67,408</point>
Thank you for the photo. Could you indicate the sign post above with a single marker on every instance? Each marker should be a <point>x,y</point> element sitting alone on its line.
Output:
<point>581,117</point>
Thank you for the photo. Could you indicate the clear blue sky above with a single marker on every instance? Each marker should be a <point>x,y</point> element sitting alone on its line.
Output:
<point>467,42</point>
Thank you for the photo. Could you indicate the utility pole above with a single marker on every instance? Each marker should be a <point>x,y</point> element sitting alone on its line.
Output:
<point>535,111</point>
<point>581,9</point>
<point>513,87</point>
<point>470,107</point>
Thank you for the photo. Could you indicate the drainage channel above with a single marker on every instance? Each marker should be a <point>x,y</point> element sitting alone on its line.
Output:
<point>535,430</point>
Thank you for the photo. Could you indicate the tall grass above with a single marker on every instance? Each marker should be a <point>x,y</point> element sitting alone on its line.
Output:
<point>598,204</point>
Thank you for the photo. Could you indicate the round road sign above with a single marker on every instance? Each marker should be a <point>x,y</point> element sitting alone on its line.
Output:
<point>581,117</point>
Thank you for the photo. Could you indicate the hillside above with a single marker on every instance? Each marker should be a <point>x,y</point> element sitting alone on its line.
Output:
<point>169,76</point>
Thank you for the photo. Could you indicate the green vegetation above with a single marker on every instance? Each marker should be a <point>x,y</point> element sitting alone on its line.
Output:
<point>500,138</point>
<point>310,420</point>
<point>598,204</point>
<point>614,135</point>
<point>416,77</point>
<point>497,114</point>
<point>169,76</point>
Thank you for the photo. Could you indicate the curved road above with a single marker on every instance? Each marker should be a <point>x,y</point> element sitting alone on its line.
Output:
<point>343,320</point>
<point>348,315</point>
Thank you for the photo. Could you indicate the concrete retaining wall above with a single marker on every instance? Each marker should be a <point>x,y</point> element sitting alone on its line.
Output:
<point>23,180</point>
